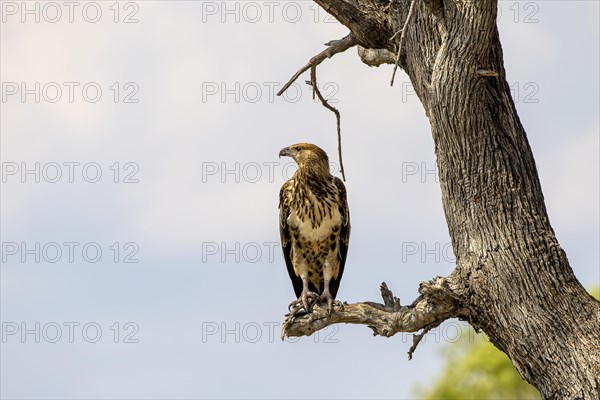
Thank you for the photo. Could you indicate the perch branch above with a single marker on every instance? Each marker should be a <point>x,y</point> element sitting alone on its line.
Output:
<point>436,304</point>
<point>313,83</point>
<point>334,47</point>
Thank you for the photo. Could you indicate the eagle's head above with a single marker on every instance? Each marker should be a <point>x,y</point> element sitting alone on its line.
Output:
<point>308,156</point>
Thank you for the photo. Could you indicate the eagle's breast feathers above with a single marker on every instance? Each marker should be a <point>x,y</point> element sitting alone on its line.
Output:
<point>315,228</point>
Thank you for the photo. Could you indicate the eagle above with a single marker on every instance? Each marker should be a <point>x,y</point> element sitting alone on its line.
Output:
<point>314,225</point>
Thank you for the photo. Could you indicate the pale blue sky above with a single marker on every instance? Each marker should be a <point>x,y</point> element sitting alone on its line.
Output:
<point>204,321</point>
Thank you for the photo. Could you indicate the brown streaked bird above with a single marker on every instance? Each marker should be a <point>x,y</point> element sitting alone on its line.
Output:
<point>314,224</point>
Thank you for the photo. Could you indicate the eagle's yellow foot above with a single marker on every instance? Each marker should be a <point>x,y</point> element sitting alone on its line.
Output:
<point>326,296</point>
<point>306,300</point>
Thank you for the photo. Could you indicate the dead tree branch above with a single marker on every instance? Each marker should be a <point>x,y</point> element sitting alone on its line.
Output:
<point>334,47</point>
<point>366,30</point>
<point>313,83</point>
<point>436,304</point>
<point>402,35</point>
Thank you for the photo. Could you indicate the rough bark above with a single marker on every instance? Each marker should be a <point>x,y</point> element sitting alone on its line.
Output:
<point>512,279</point>
<point>436,304</point>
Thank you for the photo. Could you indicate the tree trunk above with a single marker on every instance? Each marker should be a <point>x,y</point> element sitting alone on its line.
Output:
<point>512,278</point>
<point>511,270</point>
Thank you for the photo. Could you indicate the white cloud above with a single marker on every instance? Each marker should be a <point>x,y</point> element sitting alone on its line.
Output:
<point>172,133</point>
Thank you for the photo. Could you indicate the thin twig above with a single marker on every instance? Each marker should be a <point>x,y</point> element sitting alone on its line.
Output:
<point>418,336</point>
<point>313,82</point>
<point>333,47</point>
<point>403,33</point>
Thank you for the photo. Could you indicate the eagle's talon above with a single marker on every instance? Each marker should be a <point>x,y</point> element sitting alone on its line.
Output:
<point>293,305</point>
<point>296,307</point>
<point>308,299</point>
<point>327,297</point>
<point>296,312</point>
<point>304,302</point>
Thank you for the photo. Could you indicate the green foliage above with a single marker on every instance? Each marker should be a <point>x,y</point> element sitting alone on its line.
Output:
<point>475,369</point>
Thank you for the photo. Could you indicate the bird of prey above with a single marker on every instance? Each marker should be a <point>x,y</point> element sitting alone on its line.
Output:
<point>314,225</point>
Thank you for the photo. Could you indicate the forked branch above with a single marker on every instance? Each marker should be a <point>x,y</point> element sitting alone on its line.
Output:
<point>333,47</point>
<point>436,304</point>
<point>317,92</point>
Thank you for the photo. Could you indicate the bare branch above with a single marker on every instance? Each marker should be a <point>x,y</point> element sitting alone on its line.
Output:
<point>436,304</point>
<point>402,35</point>
<point>313,82</point>
<point>334,47</point>
<point>418,336</point>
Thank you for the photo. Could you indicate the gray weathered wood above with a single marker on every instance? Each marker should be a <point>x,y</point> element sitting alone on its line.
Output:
<point>512,279</point>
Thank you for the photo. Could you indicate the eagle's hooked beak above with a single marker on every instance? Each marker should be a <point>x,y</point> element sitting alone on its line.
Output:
<point>285,152</point>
